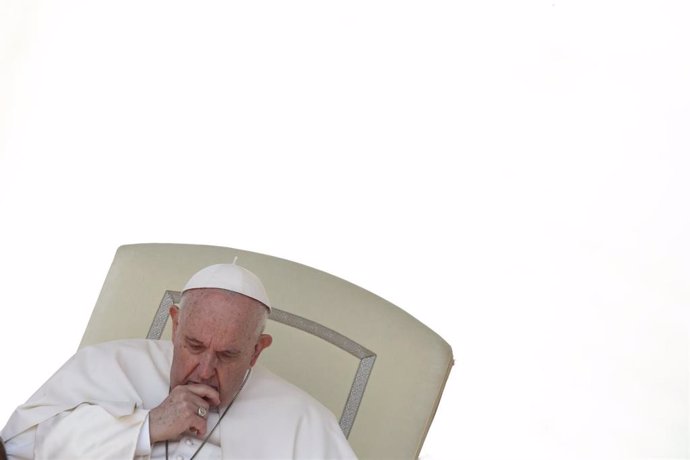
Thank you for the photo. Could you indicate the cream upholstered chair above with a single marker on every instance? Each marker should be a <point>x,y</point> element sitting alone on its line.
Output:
<point>379,370</point>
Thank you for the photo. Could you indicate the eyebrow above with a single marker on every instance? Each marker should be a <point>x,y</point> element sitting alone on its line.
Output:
<point>231,352</point>
<point>193,341</point>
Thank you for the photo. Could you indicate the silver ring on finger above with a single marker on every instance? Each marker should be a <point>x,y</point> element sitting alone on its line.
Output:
<point>201,412</point>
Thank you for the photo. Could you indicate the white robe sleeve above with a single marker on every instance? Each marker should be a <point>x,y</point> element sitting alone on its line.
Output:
<point>21,447</point>
<point>94,406</point>
<point>89,431</point>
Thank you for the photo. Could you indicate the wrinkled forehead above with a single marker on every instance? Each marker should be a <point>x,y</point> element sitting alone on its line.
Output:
<point>220,312</point>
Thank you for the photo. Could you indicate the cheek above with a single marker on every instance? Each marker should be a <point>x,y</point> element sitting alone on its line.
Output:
<point>227,373</point>
<point>183,364</point>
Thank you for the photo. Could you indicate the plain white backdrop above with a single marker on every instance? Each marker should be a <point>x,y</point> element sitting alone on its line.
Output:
<point>512,173</point>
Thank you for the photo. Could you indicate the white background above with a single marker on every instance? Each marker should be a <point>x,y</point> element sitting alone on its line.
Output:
<point>515,174</point>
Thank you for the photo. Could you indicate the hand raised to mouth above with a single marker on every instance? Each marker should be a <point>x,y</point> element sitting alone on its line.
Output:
<point>183,411</point>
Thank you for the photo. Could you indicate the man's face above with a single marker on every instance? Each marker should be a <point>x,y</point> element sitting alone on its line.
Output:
<point>216,339</point>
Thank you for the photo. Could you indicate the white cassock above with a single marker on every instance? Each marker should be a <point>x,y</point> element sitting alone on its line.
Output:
<point>95,406</point>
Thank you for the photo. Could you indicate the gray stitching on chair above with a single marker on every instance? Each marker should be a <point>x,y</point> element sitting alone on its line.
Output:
<point>366,360</point>
<point>161,316</point>
<point>347,419</point>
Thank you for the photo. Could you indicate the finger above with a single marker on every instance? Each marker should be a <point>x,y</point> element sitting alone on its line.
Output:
<point>186,396</point>
<point>205,391</point>
<point>198,427</point>
<point>197,401</point>
<point>201,411</point>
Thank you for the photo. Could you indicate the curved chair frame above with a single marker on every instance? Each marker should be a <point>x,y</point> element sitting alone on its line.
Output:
<point>325,334</point>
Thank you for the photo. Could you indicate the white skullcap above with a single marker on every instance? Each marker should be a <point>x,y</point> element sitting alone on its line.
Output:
<point>230,277</point>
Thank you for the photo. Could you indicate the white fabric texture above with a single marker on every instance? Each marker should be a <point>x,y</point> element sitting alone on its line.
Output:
<point>231,277</point>
<point>96,404</point>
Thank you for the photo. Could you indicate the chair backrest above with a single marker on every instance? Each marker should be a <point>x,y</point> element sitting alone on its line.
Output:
<point>377,368</point>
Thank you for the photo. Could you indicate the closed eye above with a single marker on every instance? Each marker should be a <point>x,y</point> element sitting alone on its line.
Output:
<point>228,355</point>
<point>194,345</point>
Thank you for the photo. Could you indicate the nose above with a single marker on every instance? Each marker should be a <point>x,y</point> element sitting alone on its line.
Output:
<point>207,366</point>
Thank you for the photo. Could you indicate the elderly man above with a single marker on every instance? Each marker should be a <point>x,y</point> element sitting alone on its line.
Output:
<point>199,396</point>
